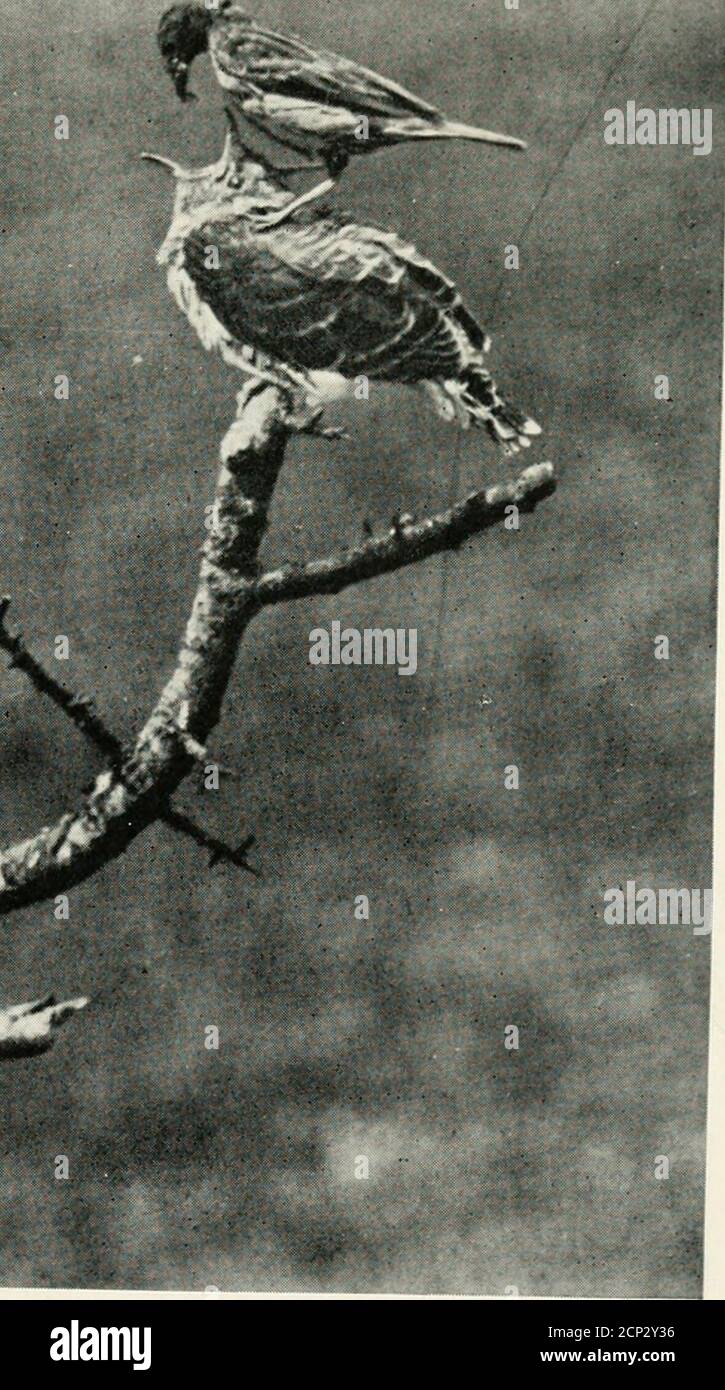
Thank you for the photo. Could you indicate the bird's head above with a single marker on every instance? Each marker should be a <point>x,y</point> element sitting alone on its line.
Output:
<point>240,176</point>
<point>183,34</point>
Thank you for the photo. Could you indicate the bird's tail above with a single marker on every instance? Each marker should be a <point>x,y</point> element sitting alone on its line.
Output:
<point>475,399</point>
<point>416,129</point>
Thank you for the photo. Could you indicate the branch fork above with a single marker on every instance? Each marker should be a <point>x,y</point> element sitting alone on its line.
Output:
<point>136,787</point>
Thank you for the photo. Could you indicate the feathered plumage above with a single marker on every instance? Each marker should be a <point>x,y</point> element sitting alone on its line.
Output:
<point>315,102</point>
<point>320,300</point>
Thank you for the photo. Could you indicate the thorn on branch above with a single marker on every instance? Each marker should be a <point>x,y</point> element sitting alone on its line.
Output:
<point>219,850</point>
<point>226,773</point>
<point>311,425</point>
<point>224,853</point>
<point>399,523</point>
<point>195,750</point>
<point>231,772</point>
<point>199,753</point>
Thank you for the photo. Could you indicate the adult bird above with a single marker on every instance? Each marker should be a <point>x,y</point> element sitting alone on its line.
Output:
<point>318,302</point>
<point>311,100</point>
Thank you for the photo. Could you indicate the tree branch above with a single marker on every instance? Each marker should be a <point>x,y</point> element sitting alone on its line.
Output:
<point>135,790</point>
<point>81,712</point>
<point>27,1029</point>
<point>78,708</point>
<point>219,850</point>
<point>407,542</point>
<point>126,798</point>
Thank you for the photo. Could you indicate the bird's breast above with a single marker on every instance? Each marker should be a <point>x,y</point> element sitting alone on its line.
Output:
<point>212,333</point>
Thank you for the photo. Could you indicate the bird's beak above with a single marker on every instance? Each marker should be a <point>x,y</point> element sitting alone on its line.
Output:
<point>178,170</point>
<point>179,74</point>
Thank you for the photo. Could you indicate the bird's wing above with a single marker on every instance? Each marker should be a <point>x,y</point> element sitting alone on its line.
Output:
<point>326,296</point>
<point>260,58</point>
<point>386,249</point>
<point>334,249</point>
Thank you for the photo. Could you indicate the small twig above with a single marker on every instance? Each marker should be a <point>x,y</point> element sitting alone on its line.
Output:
<point>27,1029</point>
<point>78,708</point>
<point>219,851</point>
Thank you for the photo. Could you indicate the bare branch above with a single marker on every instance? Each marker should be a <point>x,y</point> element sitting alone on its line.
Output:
<point>27,1029</point>
<point>78,708</point>
<point>219,851</point>
<point>81,712</point>
<point>125,799</point>
<point>135,790</point>
<point>407,541</point>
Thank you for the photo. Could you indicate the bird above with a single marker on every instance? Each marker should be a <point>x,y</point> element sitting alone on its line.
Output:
<point>314,102</point>
<point>319,301</point>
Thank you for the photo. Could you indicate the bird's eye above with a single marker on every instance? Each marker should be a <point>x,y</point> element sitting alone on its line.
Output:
<point>235,181</point>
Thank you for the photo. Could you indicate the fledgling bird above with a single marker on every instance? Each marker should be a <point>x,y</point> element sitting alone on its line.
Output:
<point>318,104</point>
<point>319,301</point>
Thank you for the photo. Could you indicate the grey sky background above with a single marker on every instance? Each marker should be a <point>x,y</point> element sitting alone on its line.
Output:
<point>383,1038</point>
